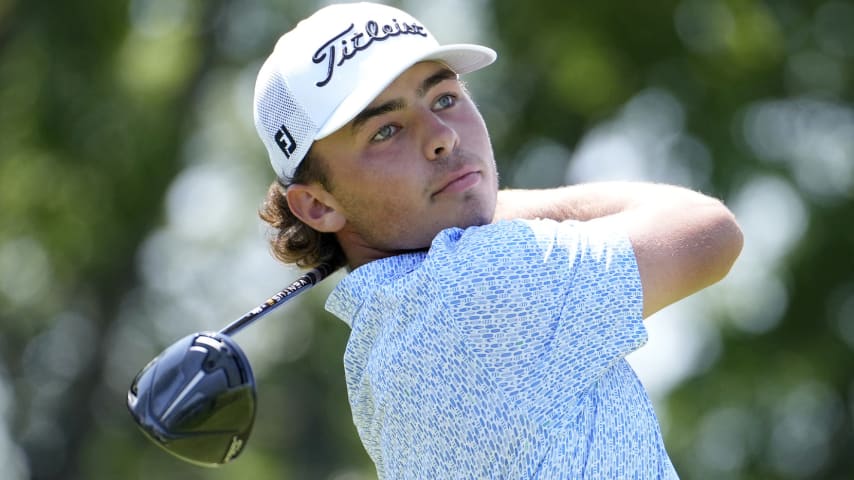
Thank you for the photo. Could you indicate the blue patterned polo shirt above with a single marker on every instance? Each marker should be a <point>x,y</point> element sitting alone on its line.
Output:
<point>500,354</point>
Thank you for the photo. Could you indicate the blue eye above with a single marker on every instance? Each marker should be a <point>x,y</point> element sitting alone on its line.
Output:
<point>384,133</point>
<point>445,101</point>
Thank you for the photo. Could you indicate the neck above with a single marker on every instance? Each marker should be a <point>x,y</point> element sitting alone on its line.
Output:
<point>359,252</point>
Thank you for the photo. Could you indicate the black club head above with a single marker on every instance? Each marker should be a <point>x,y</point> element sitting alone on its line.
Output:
<point>196,399</point>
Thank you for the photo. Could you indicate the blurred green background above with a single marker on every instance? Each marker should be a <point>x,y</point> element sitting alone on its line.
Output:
<point>130,178</point>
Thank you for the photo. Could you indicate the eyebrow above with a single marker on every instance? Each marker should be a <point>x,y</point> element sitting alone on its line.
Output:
<point>398,103</point>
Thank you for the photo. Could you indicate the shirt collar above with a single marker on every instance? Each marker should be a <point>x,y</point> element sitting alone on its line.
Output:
<point>356,286</point>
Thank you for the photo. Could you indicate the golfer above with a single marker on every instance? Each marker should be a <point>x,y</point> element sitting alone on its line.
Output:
<point>489,328</point>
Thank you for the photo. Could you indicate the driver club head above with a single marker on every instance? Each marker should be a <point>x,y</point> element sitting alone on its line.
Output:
<point>196,399</point>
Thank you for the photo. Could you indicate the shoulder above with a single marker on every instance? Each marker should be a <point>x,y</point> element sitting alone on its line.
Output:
<point>541,239</point>
<point>500,237</point>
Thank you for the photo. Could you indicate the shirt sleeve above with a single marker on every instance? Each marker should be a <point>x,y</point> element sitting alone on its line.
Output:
<point>546,307</point>
<point>601,319</point>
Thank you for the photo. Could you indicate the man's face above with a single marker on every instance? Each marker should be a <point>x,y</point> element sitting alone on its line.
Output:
<point>417,160</point>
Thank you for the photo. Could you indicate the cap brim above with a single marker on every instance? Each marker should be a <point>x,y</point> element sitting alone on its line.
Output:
<point>461,58</point>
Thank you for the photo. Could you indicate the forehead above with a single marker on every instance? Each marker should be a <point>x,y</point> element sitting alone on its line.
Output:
<point>414,76</point>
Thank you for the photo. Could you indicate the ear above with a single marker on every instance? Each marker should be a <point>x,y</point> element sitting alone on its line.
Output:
<point>315,207</point>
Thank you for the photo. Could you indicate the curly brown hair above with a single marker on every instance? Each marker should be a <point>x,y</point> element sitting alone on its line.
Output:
<point>291,240</point>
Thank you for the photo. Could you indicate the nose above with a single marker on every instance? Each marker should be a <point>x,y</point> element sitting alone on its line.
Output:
<point>440,138</point>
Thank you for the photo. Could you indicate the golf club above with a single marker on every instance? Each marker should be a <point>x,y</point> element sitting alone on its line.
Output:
<point>197,398</point>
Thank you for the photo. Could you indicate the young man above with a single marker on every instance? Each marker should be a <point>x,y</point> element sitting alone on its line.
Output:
<point>483,345</point>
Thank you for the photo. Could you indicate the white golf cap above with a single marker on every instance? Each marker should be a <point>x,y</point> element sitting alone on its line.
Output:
<point>335,63</point>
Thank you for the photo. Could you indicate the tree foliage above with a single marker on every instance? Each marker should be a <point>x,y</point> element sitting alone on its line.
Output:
<point>130,179</point>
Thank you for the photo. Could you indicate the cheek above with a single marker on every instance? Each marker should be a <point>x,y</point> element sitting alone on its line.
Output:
<point>397,172</point>
<point>384,191</point>
<point>473,127</point>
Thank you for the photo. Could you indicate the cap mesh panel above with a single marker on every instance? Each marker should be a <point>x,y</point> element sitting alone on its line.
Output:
<point>277,107</point>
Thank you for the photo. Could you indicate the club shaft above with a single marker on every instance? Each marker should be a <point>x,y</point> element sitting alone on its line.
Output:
<point>305,282</point>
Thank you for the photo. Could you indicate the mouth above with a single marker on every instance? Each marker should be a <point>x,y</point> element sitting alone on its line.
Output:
<point>460,181</point>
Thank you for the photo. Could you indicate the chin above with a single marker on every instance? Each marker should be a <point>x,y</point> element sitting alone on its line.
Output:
<point>477,219</point>
<point>480,212</point>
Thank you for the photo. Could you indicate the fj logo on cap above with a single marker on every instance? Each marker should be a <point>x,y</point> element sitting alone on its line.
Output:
<point>285,141</point>
<point>353,43</point>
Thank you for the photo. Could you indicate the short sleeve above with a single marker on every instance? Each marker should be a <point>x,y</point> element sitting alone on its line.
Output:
<point>601,320</point>
<point>546,307</point>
